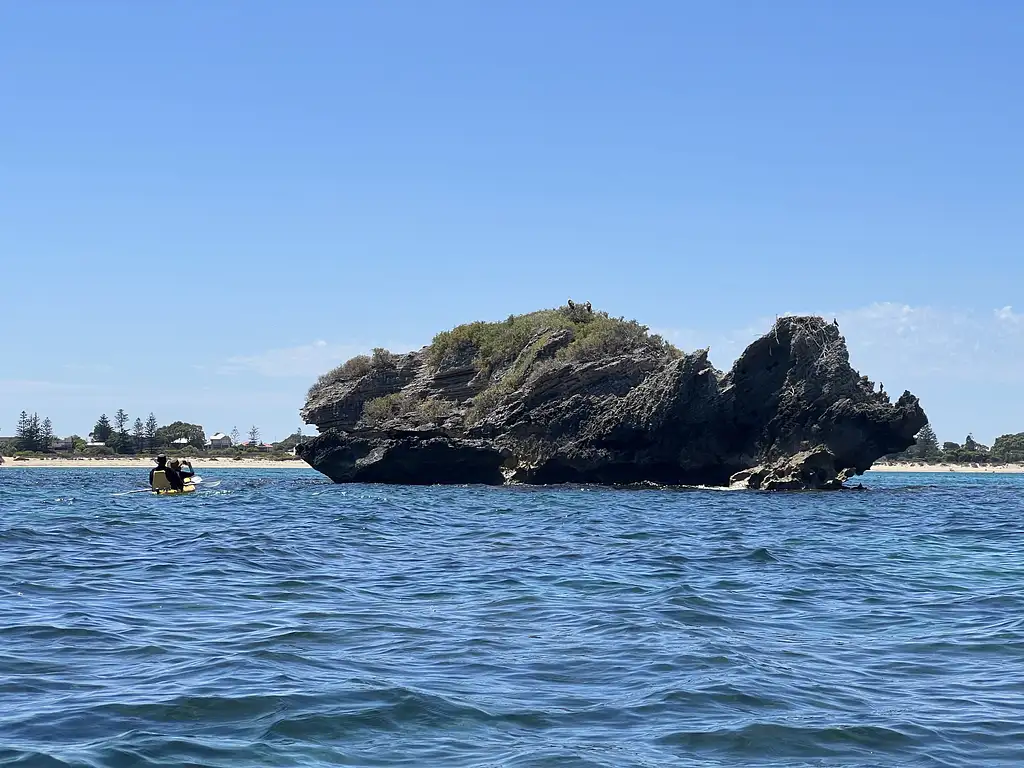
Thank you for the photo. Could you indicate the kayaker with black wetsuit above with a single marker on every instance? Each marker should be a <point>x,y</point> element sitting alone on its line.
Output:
<point>174,479</point>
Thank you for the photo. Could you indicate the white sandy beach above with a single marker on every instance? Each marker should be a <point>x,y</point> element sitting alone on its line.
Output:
<point>994,469</point>
<point>129,462</point>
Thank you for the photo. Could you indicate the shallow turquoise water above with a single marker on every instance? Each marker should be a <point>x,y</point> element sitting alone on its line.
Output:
<point>281,620</point>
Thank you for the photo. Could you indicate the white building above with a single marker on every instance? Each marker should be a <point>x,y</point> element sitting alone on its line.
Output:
<point>220,440</point>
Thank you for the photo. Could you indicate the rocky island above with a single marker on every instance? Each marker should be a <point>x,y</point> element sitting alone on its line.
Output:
<point>572,395</point>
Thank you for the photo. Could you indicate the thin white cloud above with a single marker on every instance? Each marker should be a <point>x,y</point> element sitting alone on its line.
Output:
<point>1007,315</point>
<point>88,368</point>
<point>967,367</point>
<point>304,361</point>
<point>724,346</point>
<point>32,387</point>
<point>921,339</point>
<point>959,345</point>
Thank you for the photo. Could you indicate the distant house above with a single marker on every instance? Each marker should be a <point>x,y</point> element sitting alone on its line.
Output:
<point>181,442</point>
<point>62,444</point>
<point>220,440</point>
<point>94,444</point>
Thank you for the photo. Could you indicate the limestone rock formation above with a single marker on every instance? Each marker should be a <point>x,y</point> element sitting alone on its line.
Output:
<point>573,396</point>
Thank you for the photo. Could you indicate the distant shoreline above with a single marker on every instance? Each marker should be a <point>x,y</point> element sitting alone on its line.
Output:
<point>128,462</point>
<point>992,469</point>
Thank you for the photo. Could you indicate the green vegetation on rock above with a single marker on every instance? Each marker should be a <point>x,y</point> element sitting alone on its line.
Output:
<point>595,335</point>
<point>416,410</point>
<point>381,409</point>
<point>506,353</point>
<point>512,380</point>
<point>354,368</point>
<point>519,340</point>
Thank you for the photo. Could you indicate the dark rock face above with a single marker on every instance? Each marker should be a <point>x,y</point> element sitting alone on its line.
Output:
<point>790,414</point>
<point>409,458</point>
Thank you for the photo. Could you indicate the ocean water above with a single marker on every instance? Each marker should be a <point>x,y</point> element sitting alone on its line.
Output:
<point>279,620</point>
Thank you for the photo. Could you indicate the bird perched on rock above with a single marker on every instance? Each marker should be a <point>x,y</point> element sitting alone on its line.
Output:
<point>571,304</point>
<point>589,308</point>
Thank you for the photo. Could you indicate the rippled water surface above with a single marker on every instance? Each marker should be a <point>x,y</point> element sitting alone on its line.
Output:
<point>281,620</point>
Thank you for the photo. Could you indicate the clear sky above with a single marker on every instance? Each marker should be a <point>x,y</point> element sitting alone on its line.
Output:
<point>206,203</point>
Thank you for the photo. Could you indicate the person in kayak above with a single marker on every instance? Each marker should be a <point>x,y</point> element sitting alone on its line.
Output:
<point>177,464</point>
<point>174,479</point>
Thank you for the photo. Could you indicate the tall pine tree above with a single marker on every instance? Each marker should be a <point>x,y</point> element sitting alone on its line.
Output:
<point>139,433</point>
<point>927,444</point>
<point>121,422</point>
<point>45,436</point>
<point>102,431</point>
<point>120,441</point>
<point>35,429</point>
<point>23,435</point>
<point>151,428</point>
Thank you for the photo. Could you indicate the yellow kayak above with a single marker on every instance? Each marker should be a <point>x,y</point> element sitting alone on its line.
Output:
<point>190,487</point>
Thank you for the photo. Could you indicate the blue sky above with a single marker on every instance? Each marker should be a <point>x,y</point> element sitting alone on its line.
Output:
<point>203,205</point>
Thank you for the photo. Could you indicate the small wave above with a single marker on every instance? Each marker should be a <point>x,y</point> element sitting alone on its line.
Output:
<point>784,741</point>
<point>381,709</point>
<point>762,555</point>
<point>39,632</point>
<point>208,709</point>
<point>30,758</point>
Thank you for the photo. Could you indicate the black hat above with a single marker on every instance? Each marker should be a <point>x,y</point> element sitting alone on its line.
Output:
<point>161,457</point>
